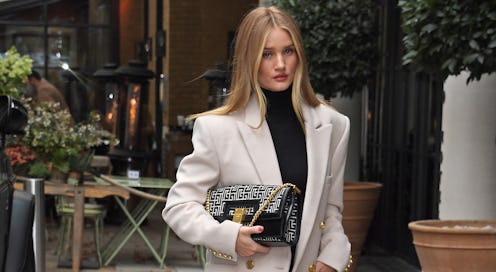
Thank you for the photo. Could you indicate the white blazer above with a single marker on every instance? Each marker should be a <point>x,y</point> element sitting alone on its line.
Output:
<point>229,149</point>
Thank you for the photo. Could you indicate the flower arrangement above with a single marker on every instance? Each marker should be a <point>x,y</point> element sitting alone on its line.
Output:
<point>52,141</point>
<point>23,160</point>
<point>14,69</point>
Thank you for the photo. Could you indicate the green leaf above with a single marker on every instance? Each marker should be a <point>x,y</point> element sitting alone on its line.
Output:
<point>492,44</point>
<point>428,28</point>
<point>448,63</point>
<point>470,58</point>
<point>473,44</point>
<point>480,59</point>
<point>409,57</point>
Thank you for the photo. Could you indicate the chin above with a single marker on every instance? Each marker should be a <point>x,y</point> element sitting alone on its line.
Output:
<point>279,87</point>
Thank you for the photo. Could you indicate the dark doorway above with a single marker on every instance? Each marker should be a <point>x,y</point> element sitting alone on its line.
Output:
<point>403,142</point>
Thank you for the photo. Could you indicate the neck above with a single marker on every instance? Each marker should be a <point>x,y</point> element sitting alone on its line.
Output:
<point>267,91</point>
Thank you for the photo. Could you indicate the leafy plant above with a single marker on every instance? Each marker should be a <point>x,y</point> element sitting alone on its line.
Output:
<point>450,36</point>
<point>14,69</point>
<point>340,39</point>
<point>57,141</point>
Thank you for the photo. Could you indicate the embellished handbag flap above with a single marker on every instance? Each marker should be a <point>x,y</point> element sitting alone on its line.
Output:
<point>225,200</point>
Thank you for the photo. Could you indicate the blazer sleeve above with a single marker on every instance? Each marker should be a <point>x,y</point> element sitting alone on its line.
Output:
<point>184,211</point>
<point>335,247</point>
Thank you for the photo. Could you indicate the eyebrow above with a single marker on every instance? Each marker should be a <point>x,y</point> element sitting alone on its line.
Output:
<point>271,48</point>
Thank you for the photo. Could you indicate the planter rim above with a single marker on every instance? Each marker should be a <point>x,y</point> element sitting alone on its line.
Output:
<point>436,225</point>
<point>24,178</point>
<point>358,185</point>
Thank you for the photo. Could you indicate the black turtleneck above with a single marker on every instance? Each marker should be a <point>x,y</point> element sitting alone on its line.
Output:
<point>288,137</point>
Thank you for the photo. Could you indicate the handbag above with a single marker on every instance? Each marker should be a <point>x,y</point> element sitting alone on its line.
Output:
<point>277,208</point>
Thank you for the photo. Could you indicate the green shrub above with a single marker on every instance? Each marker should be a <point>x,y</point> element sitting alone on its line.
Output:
<point>450,36</point>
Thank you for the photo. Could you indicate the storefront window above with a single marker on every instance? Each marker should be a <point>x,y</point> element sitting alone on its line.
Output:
<point>19,10</point>
<point>77,35</point>
<point>69,12</point>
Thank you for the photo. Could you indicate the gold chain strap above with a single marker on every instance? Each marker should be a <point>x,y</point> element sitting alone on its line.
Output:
<point>207,203</point>
<point>269,199</point>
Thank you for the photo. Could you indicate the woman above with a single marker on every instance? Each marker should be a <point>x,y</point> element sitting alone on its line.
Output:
<point>271,129</point>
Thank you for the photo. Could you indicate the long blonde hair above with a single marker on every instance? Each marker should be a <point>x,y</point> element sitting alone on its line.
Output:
<point>249,44</point>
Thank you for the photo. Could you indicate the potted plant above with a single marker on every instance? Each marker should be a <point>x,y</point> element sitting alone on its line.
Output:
<point>340,40</point>
<point>54,143</point>
<point>455,245</point>
<point>447,38</point>
<point>359,201</point>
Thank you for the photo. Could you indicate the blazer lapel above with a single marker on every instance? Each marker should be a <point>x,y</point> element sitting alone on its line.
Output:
<point>258,143</point>
<point>318,138</point>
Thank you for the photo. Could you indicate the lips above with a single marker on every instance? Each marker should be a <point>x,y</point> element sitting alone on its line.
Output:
<point>281,77</point>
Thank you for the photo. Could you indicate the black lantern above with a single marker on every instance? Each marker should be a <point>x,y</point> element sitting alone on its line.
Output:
<point>134,127</point>
<point>217,86</point>
<point>107,101</point>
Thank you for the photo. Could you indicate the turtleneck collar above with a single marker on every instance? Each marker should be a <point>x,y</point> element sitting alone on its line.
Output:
<point>278,99</point>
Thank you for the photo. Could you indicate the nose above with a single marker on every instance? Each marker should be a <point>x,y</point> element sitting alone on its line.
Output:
<point>280,62</point>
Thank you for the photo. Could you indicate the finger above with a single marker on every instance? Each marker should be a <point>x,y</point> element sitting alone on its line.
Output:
<point>254,230</point>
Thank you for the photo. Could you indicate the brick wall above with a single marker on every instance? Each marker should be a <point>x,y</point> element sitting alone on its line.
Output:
<point>131,29</point>
<point>197,40</point>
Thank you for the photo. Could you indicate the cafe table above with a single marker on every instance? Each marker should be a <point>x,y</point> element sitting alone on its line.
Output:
<point>151,191</point>
<point>79,193</point>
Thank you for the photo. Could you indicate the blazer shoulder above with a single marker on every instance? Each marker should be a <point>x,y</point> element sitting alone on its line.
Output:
<point>217,124</point>
<point>328,112</point>
<point>216,119</point>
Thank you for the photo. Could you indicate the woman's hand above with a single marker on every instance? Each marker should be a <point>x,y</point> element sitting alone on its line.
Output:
<point>245,246</point>
<point>322,267</point>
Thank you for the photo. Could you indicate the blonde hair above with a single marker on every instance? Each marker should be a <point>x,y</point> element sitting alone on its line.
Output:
<point>249,44</point>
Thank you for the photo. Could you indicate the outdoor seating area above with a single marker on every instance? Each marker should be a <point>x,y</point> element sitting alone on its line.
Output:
<point>379,115</point>
<point>135,255</point>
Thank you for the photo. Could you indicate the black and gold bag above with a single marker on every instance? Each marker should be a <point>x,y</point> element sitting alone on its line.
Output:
<point>275,207</point>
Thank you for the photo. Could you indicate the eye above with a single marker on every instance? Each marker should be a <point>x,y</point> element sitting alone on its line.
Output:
<point>288,51</point>
<point>266,55</point>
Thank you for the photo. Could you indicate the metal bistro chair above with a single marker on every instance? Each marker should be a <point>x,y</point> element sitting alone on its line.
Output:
<point>92,211</point>
<point>132,225</point>
<point>65,210</point>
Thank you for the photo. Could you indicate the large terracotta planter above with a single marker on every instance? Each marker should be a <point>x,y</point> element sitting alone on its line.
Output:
<point>360,200</point>
<point>455,245</point>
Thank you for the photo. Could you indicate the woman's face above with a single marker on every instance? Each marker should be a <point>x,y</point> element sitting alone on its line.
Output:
<point>279,60</point>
